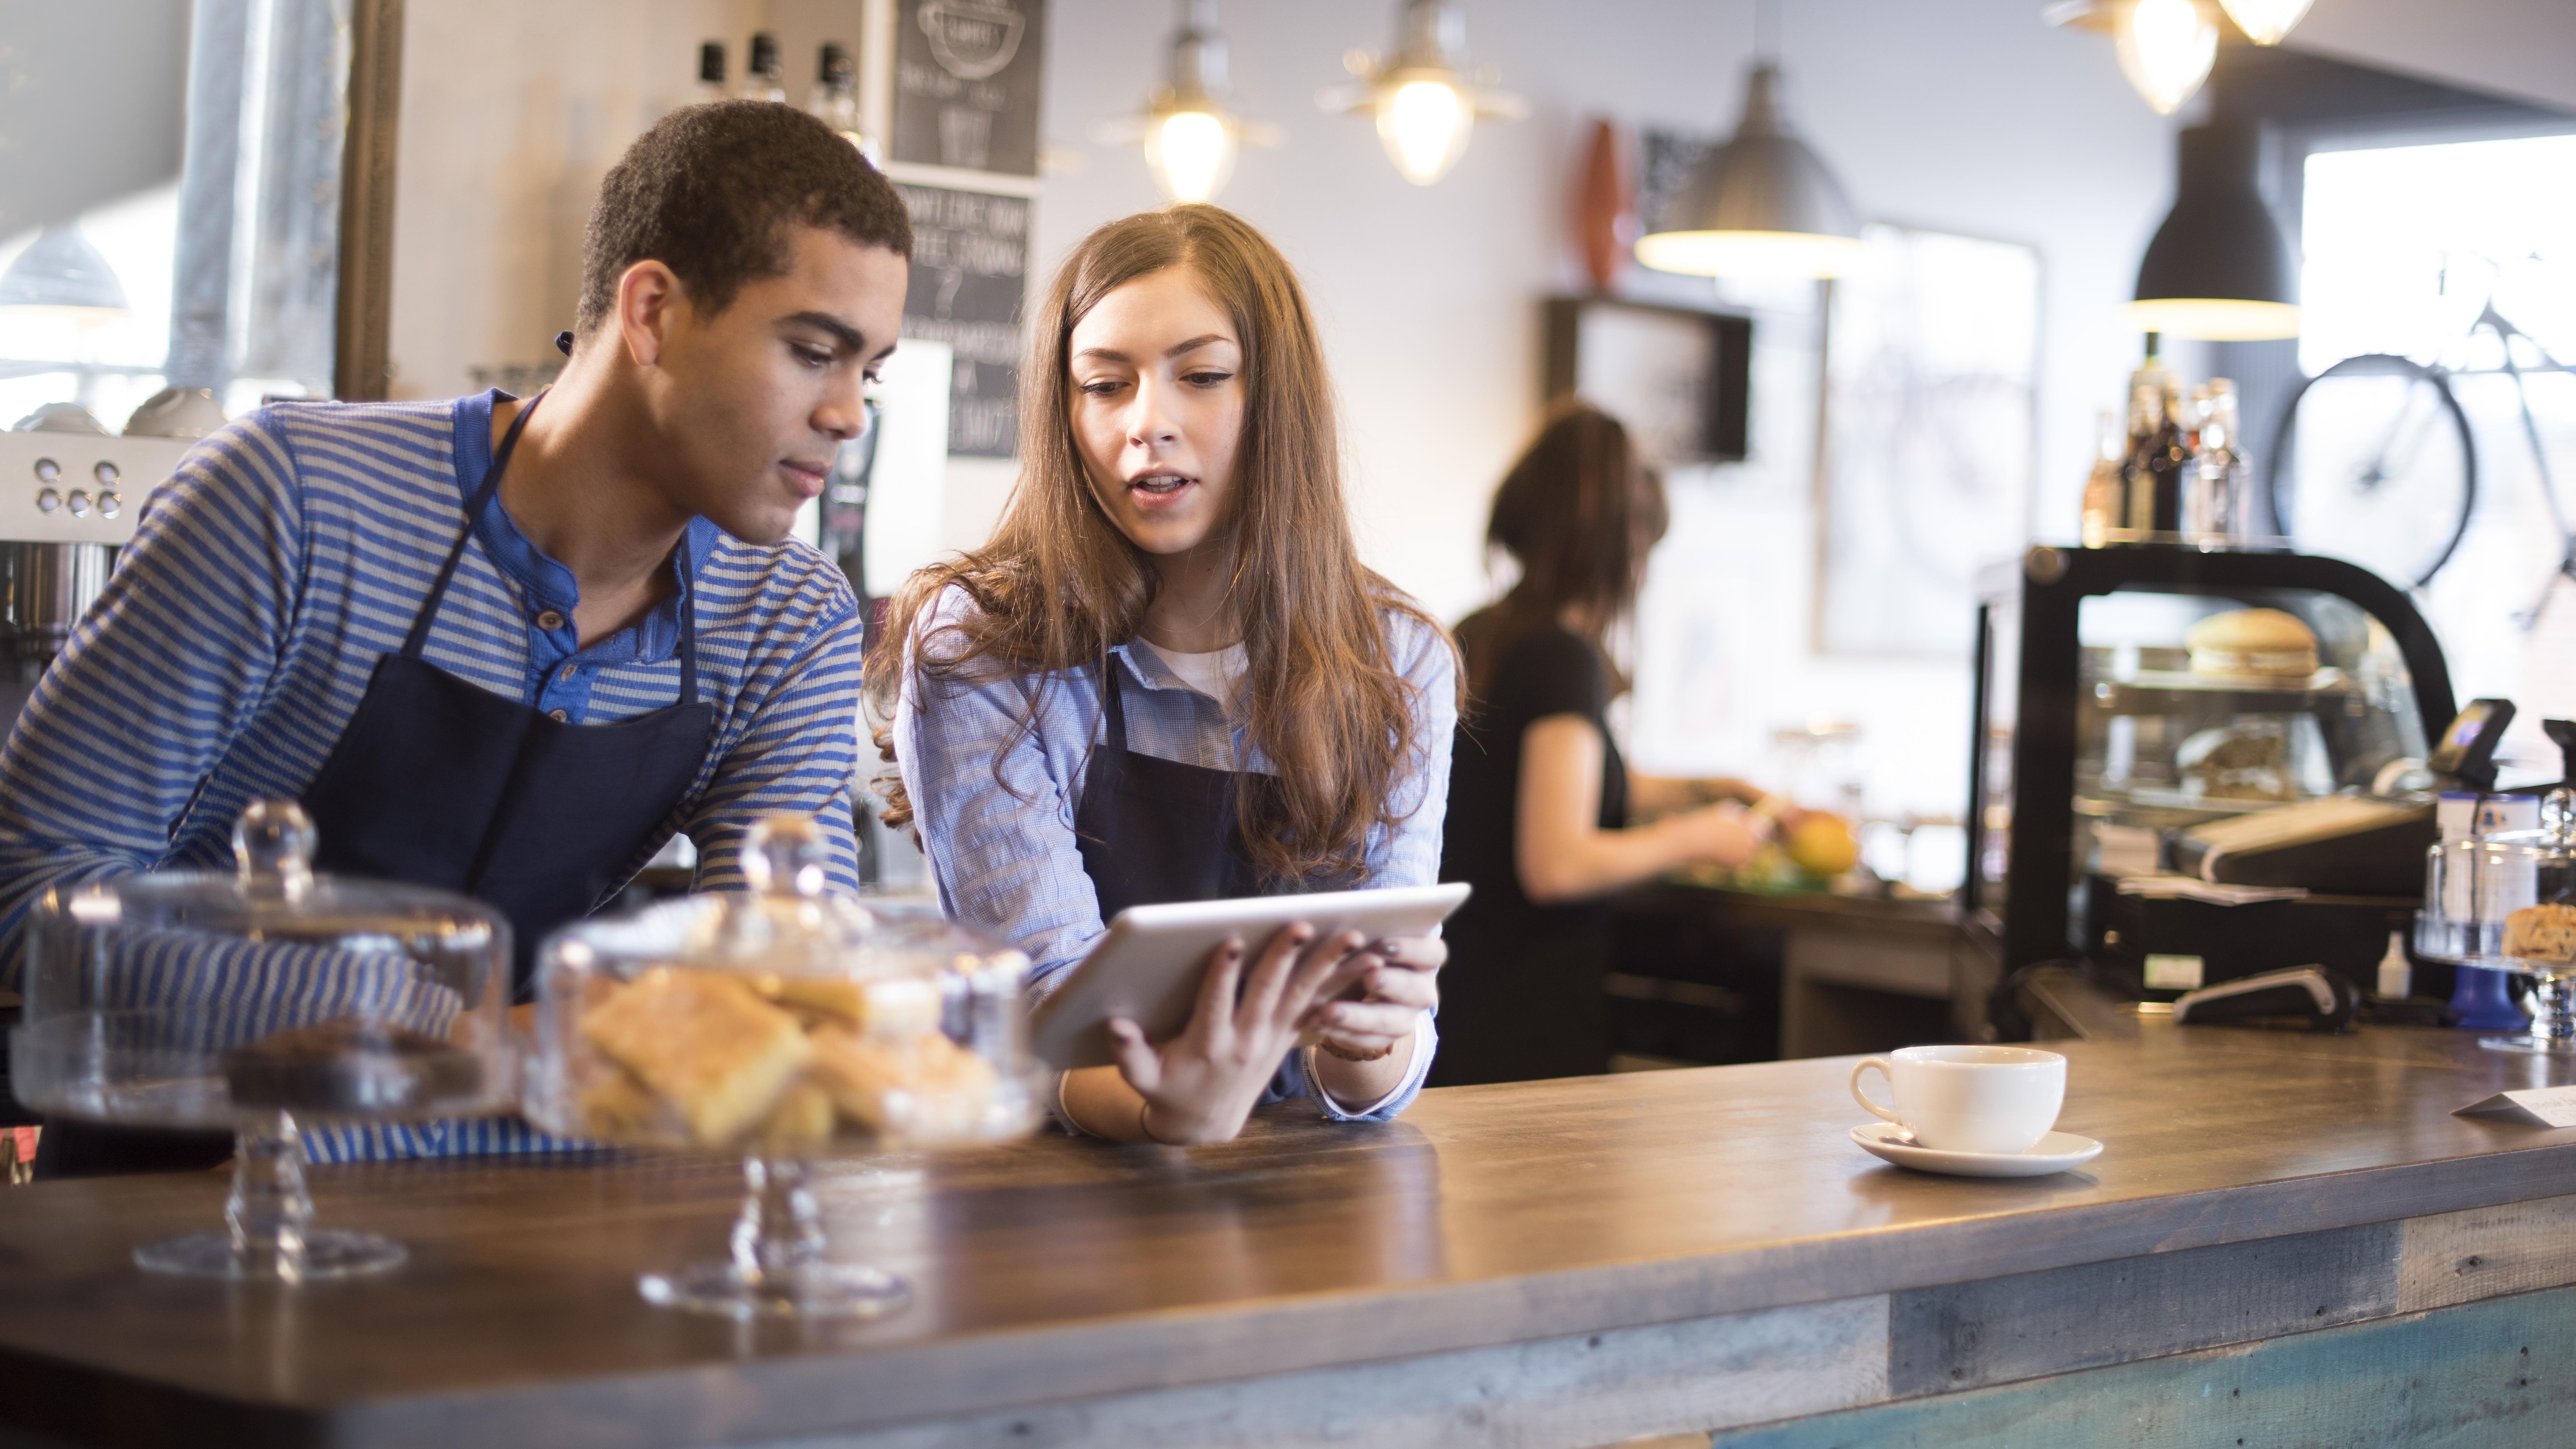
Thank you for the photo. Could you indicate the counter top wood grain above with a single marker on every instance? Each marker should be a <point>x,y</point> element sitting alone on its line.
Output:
<point>1060,1270</point>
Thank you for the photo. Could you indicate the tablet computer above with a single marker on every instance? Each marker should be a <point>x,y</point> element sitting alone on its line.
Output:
<point>1147,968</point>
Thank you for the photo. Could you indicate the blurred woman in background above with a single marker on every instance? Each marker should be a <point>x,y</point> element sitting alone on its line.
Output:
<point>1538,797</point>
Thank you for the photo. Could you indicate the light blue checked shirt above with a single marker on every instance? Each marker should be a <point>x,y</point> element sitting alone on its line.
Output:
<point>995,805</point>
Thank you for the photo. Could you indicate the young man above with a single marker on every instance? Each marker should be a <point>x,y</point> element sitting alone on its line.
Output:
<point>511,647</point>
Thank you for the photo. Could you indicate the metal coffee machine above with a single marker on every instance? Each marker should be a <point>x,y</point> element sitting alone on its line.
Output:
<point>69,495</point>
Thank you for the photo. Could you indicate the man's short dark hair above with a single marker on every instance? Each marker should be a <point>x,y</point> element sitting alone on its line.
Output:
<point>709,192</point>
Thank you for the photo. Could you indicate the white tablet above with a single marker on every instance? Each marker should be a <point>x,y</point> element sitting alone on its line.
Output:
<point>1147,968</point>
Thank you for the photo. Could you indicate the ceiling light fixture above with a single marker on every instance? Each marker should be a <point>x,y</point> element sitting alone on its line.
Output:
<point>2166,46</point>
<point>1189,129</point>
<point>1763,204</point>
<point>2218,269</point>
<point>1425,104</point>
<point>2265,22</point>
<point>61,275</point>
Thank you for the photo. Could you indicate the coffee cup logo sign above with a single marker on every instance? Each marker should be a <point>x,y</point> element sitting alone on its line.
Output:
<point>972,39</point>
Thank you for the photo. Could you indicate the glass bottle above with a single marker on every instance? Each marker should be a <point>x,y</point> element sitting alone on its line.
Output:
<point>762,77</point>
<point>2215,514</point>
<point>835,100</point>
<point>711,71</point>
<point>2102,489</point>
<point>2157,453</point>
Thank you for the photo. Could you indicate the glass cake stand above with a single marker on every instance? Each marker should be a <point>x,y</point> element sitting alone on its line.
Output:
<point>787,1023</point>
<point>2507,902</point>
<point>263,1000</point>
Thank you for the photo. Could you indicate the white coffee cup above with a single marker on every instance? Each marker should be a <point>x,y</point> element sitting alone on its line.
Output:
<point>1971,1098</point>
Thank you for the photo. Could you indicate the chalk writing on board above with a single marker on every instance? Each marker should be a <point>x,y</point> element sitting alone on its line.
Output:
<point>970,261</point>
<point>966,83</point>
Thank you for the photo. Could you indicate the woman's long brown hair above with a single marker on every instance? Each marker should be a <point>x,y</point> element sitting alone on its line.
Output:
<point>1057,584</point>
<point>1579,512</point>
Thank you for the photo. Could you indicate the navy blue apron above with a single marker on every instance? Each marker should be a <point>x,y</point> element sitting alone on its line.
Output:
<point>438,782</point>
<point>1153,830</point>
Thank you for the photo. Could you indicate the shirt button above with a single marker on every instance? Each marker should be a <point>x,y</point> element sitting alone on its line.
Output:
<point>550,621</point>
<point>558,716</point>
<point>568,672</point>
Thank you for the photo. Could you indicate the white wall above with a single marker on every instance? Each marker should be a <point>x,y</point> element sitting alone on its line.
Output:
<point>1966,115</point>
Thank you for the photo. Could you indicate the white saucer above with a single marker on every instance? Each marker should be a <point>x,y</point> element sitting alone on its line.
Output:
<point>2055,1152</point>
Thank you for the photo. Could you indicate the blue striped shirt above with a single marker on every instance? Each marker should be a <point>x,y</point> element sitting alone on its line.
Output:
<point>994,803</point>
<point>286,556</point>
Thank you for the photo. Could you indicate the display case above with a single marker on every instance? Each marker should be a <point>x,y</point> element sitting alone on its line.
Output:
<point>2127,693</point>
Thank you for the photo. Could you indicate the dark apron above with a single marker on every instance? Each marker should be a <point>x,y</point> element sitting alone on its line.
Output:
<point>1153,830</point>
<point>437,782</point>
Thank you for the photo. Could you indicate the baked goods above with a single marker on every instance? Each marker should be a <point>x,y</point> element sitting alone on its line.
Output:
<point>778,1062</point>
<point>897,1008</point>
<point>2247,760</point>
<point>801,1120</point>
<point>2541,933</point>
<point>929,1087</point>
<point>705,1043</point>
<point>2253,644</point>
<point>351,1066</point>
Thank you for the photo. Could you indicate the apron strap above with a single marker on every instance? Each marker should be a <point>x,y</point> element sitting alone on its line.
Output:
<point>688,628</point>
<point>474,506</point>
<point>1117,713</point>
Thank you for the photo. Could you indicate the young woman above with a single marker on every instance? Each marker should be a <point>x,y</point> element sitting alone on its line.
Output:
<point>1167,677</point>
<point>1539,800</point>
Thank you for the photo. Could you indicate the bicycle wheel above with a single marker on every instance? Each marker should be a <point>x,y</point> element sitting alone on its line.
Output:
<point>2375,464</point>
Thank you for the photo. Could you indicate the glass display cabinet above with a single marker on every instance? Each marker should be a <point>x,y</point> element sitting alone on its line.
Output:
<point>2127,693</point>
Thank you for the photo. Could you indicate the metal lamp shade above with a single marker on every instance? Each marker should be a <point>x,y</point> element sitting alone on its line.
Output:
<point>60,270</point>
<point>1762,204</point>
<point>2218,268</point>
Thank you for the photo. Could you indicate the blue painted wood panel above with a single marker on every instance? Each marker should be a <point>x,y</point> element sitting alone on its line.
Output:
<point>2494,1375</point>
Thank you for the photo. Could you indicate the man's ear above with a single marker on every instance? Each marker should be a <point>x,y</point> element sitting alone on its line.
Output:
<point>650,302</point>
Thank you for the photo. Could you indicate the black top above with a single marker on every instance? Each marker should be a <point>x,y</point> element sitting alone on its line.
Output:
<point>1524,998</point>
<point>1550,672</point>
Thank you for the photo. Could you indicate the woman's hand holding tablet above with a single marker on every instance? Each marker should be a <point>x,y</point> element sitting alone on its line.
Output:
<point>1201,1085</point>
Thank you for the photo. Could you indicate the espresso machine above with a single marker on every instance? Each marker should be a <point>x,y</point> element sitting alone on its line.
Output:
<point>70,492</point>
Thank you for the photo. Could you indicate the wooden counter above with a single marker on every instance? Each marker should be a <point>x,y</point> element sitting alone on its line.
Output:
<point>1555,1264</point>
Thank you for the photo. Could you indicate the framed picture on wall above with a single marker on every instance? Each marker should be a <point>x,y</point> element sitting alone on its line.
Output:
<point>1931,359</point>
<point>1677,377</point>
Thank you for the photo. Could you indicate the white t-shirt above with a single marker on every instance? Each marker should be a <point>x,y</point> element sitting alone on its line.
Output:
<point>1214,674</point>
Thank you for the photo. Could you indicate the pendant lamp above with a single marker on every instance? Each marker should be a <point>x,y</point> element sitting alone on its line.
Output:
<point>61,274</point>
<point>2266,21</point>
<point>1189,129</point>
<point>2166,47</point>
<point>1762,205</point>
<point>2218,268</point>
<point>1424,101</point>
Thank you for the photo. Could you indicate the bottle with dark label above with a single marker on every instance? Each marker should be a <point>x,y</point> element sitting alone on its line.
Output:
<point>711,71</point>
<point>762,77</point>
<point>2158,454</point>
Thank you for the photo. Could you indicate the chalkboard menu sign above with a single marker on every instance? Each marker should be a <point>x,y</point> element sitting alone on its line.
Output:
<point>970,262</point>
<point>966,83</point>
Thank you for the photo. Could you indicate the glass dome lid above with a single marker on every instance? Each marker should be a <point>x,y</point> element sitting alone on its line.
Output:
<point>784,1022</point>
<point>260,1000</point>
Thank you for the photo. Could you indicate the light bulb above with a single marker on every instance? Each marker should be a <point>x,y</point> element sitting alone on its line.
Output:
<point>1425,126</point>
<point>2266,21</point>
<point>2166,47</point>
<point>1191,154</point>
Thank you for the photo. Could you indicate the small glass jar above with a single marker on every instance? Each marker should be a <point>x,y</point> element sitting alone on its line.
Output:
<point>787,1023</point>
<point>260,1000</point>
<point>2507,902</point>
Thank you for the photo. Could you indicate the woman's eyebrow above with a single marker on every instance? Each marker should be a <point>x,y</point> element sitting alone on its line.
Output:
<point>1196,343</point>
